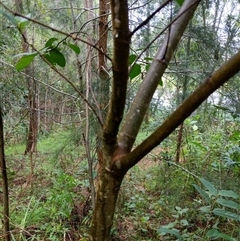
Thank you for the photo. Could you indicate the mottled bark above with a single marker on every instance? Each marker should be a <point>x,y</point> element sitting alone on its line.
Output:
<point>103,38</point>
<point>112,168</point>
<point>179,142</point>
<point>107,190</point>
<point>6,224</point>
<point>108,183</point>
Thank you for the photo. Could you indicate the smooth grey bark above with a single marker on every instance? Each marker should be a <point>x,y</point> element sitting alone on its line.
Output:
<point>226,71</point>
<point>141,102</point>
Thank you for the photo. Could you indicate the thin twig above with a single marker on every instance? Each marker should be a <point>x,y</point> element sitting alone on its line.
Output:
<point>175,164</point>
<point>149,17</point>
<point>168,26</point>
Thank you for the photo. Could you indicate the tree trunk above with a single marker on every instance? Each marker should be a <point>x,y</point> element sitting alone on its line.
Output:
<point>179,142</point>
<point>33,117</point>
<point>32,103</point>
<point>4,183</point>
<point>108,185</point>
<point>116,159</point>
<point>183,96</point>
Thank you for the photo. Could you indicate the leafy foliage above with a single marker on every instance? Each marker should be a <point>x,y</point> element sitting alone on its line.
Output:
<point>180,2</point>
<point>220,204</point>
<point>50,52</point>
<point>135,71</point>
<point>25,61</point>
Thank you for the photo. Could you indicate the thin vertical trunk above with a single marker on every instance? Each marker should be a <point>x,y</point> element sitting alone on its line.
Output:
<point>103,83</point>
<point>146,43</point>
<point>179,142</point>
<point>88,4</point>
<point>79,64</point>
<point>87,129</point>
<point>33,117</point>
<point>183,96</point>
<point>32,102</point>
<point>45,110</point>
<point>4,183</point>
<point>108,182</point>
<point>103,86</point>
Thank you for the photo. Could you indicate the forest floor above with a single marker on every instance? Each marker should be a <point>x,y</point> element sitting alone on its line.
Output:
<point>50,197</point>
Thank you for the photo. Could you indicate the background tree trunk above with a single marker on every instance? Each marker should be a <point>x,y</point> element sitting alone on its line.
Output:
<point>6,222</point>
<point>32,101</point>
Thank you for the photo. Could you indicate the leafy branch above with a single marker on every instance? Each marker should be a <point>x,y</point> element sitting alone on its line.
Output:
<point>70,35</point>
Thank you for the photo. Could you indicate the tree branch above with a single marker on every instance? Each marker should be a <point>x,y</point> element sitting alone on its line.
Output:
<point>150,17</point>
<point>141,102</point>
<point>218,78</point>
<point>120,70</point>
<point>5,191</point>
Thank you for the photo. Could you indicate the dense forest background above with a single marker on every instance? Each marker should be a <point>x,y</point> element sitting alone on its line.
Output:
<point>67,86</point>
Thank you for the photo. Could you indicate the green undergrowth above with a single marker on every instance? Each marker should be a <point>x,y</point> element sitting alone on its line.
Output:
<point>159,199</point>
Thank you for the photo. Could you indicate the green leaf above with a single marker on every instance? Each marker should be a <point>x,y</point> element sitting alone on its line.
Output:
<point>170,231</point>
<point>22,22</point>
<point>148,58</point>
<point>209,186</point>
<point>202,193</point>
<point>25,61</point>
<point>147,67</point>
<point>170,225</point>
<point>228,203</point>
<point>131,58</point>
<point>57,57</point>
<point>214,233</point>
<point>235,136</point>
<point>22,25</point>
<point>74,47</point>
<point>205,209</point>
<point>184,222</point>
<point>49,59</point>
<point>50,42</point>
<point>10,17</point>
<point>228,193</point>
<point>180,2</point>
<point>160,82</point>
<point>226,214</point>
<point>135,71</point>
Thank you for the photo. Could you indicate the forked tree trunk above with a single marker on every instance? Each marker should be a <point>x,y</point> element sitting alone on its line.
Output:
<point>117,157</point>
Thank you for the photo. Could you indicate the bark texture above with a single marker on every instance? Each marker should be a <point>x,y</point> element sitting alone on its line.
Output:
<point>107,190</point>
<point>112,168</point>
<point>6,223</point>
